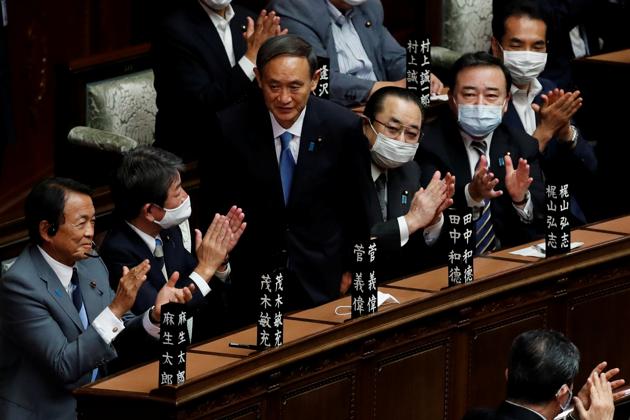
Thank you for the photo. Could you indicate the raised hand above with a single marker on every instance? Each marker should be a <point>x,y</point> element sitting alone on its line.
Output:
<point>170,293</point>
<point>483,182</point>
<point>128,286</point>
<point>584,393</point>
<point>267,25</point>
<point>425,203</point>
<point>517,181</point>
<point>235,217</point>
<point>601,399</point>
<point>555,114</point>
<point>212,248</point>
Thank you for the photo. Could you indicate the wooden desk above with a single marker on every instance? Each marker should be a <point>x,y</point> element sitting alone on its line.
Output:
<point>437,353</point>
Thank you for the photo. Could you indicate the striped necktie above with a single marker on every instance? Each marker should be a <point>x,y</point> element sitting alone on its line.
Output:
<point>484,231</point>
<point>380,184</point>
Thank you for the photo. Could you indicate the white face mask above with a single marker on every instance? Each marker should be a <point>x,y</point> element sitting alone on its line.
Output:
<point>173,217</point>
<point>524,66</point>
<point>389,153</point>
<point>479,120</point>
<point>354,2</point>
<point>217,4</point>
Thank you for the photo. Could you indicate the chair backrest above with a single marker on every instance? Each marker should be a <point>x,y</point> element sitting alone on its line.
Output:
<point>467,25</point>
<point>123,105</point>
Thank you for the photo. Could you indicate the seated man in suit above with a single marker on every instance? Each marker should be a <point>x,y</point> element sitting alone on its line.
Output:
<point>150,205</point>
<point>541,370</point>
<point>204,53</point>
<point>363,55</point>
<point>537,106</point>
<point>59,320</point>
<point>397,206</point>
<point>472,143</point>
<point>293,164</point>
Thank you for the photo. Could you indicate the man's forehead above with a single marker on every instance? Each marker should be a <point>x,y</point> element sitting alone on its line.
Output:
<point>481,78</point>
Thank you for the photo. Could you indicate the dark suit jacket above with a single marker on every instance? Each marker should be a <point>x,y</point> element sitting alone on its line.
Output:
<point>562,164</point>
<point>505,411</point>
<point>45,351</point>
<point>443,149</point>
<point>324,212</point>
<point>123,247</point>
<point>194,78</point>
<point>396,261</point>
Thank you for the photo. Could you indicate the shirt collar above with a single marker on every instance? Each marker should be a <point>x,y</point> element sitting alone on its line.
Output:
<point>534,89</point>
<point>146,238</point>
<point>376,171</point>
<point>295,129</point>
<point>63,272</point>
<point>336,15</point>
<point>526,408</point>
<point>217,19</point>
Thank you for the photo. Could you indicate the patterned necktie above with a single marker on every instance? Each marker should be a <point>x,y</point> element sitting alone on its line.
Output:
<point>158,253</point>
<point>485,238</point>
<point>380,184</point>
<point>287,164</point>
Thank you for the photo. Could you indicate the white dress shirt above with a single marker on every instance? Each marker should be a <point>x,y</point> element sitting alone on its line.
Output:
<point>522,99</point>
<point>106,324</point>
<point>223,28</point>
<point>430,233</point>
<point>526,212</point>
<point>351,56</point>
<point>295,129</point>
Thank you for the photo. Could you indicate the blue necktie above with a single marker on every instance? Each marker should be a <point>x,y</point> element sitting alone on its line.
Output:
<point>484,231</point>
<point>78,303</point>
<point>287,164</point>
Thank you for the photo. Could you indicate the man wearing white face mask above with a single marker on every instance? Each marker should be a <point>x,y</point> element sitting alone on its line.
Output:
<point>537,106</point>
<point>397,205</point>
<point>496,166</point>
<point>204,54</point>
<point>151,204</point>
<point>364,56</point>
<point>541,370</point>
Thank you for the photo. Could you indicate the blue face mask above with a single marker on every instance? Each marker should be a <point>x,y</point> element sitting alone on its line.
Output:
<point>479,120</point>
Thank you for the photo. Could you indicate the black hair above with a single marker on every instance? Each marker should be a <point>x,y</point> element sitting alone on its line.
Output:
<point>288,44</point>
<point>144,176</point>
<point>540,362</point>
<point>515,8</point>
<point>479,59</point>
<point>47,201</point>
<point>376,102</point>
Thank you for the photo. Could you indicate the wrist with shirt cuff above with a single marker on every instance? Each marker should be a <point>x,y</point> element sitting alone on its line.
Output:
<point>523,201</point>
<point>403,228</point>
<point>152,329</point>
<point>223,275</point>
<point>200,283</point>
<point>107,325</point>
<point>471,202</point>
<point>248,67</point>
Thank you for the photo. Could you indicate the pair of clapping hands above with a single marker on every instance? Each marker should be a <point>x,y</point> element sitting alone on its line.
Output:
<point>595,400</point>
<point>211,249</point>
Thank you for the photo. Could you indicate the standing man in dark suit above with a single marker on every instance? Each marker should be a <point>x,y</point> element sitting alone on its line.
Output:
<point>151,203</point>
<point>59,320</point>
<point>204,55</point>
<point>541,371</point>
<point>293,165</point>
<point>473,144</point>
<point>538,107</point>
<point>397,206</point>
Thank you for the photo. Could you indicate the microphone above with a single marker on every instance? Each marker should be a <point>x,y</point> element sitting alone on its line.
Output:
<point>93,253</point>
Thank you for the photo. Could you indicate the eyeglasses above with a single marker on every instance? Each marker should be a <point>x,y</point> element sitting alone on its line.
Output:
<point>394,130</point>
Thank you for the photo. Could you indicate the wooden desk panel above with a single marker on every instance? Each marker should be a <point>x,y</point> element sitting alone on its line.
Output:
<point>620,226</point>
<point>437,354</point>
<point>621,57</point>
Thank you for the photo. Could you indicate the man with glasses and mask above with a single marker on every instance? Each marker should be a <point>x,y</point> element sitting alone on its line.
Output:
<point>495,165</point>
<point>397,206</point>
<point>541,370</point>
<point>537,106</point>
<point>150,205</point>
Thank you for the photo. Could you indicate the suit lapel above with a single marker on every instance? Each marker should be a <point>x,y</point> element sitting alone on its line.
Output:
<point>310,140</point>
<point>55,288</point>
<point>209,35</point>
<point>238,42</point>
<point>498,149</point>
<point>91,294</point>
